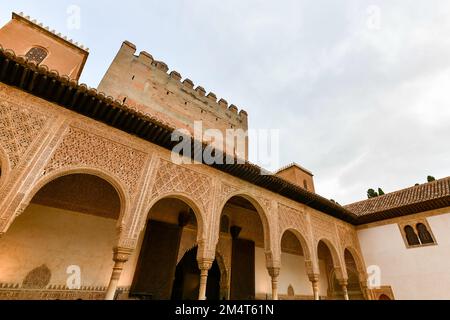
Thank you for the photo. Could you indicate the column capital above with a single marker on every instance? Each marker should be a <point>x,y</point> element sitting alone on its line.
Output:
<point>274,271</point>
<point>314,277</point>
<point>364,284</point>
<point>122,254</point>
<point>343,282</point>
<point>205,264</point>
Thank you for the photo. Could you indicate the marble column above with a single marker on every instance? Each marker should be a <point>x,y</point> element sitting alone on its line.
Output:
<point>344,283</point>
<point>274,274</point>
<point>314,278</point>
<point>121,256</point>
<point>204,265</point>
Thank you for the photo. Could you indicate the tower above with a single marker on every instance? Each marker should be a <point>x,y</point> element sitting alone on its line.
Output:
<point>42,46</point>
<point>147,85</point>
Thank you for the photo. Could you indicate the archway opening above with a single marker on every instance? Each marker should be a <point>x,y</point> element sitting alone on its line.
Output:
<point>354,286</point>
<point>329,283</point>
<point>293,282</point>
<point>171,231</point>
<point>64,239</point>
<point>187,279</point>
<point>384,297</point>
<point>244,248</point>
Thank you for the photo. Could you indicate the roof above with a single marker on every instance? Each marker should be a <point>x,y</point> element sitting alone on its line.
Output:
<point>424,197</point>
<point>296,166</point>
<point>49,85</point>
<point>27,19</point>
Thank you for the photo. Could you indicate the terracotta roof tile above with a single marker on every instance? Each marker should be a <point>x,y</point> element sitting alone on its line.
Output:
<point>433,191</point>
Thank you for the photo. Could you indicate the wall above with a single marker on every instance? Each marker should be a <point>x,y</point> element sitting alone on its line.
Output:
<point>417,273</point>
<point>58,238</point>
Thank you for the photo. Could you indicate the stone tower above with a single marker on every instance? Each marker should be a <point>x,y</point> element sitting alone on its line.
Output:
<point>145,84</point>
<point>40,45</point>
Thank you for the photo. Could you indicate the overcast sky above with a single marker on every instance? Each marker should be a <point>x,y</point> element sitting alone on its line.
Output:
<point>359,89</point>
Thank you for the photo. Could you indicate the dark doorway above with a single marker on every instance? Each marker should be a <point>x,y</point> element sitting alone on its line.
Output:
<point>187,279</point>
<point>157,261</point>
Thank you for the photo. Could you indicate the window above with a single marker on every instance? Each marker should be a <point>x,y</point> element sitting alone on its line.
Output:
<point>424,236</point>
<point>305,184</point>
<point>417,234</point>
<point>411,236</point>
<point>36,54</point>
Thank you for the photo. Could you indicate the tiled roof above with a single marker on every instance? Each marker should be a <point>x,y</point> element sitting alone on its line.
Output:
<point>424,197</point>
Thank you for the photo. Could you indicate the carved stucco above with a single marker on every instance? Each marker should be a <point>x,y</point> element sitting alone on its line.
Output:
<point>171,178</point>
<point>19,127</point>
<point>295,220</point>
<point>290,218</point>
<point>81,148</point>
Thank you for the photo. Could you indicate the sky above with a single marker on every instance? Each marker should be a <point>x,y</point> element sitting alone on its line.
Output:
<point>359,90</point>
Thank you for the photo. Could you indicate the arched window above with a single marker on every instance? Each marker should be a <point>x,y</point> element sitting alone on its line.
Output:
<point>291,292</point>
<point>36,54</point>
<point>224,224</point>
<point>305,184</point>
<point>424,234</point>
<point>411,236</point>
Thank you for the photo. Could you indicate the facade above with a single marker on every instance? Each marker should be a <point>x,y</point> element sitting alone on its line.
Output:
<point>87,175</point>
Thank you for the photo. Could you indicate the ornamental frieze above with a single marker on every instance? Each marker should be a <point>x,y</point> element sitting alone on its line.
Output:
<point>19,127</point>
<point>292,218</point>
<point>80,148</point>
<point>171,178</point>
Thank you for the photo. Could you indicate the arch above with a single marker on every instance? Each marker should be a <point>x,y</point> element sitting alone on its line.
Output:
<point>55,235</point>
<point>262,213</point>
<point>114,182</point>
<point>303,242</point>
<point>384,297</point>
<point>199,214</point>
<point>354,273</point>
<point>411,236</point>
<point>337,263</point>
<point>218,265</point>
<point>305,184</point>
<point>424,235</point>
<point>358,261</point>
<point>37,54</point>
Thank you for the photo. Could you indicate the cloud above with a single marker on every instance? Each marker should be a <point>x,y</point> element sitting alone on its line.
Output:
<point>361,107</point>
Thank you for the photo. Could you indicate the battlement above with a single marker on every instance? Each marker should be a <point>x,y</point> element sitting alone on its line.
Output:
<point>28,19</point>
<point>185,86</point>
<point>147,84</point>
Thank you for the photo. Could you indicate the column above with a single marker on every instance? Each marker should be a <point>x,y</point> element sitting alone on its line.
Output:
<point>274,273</point>
<point>314,278</point>
<point>204,265</point>
<point>121,255</point>
<point>344,284</point>
<point>365,290</point>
